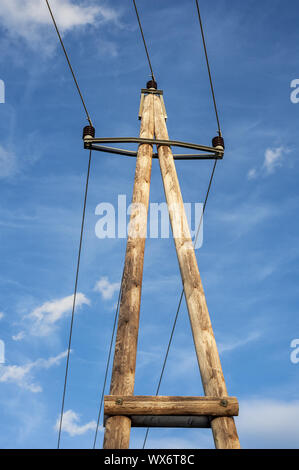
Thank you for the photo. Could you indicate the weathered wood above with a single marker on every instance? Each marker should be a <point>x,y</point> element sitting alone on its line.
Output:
<point>173,406</point>
<point>224,429</point>
<point>144,421</point>
<point>117,433</point>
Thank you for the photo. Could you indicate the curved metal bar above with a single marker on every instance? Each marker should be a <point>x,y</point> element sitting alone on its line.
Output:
<point>132,153</point>
<point>138,140</point>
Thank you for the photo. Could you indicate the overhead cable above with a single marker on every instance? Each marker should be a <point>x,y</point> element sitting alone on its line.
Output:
<point>69,63</point>
<point>144,42</point>
<point>74,301</point>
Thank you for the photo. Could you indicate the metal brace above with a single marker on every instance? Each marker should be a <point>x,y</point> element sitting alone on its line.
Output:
<point>153,91</point>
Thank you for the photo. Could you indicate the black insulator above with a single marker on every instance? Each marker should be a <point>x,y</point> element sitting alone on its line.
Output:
<point>218,142</point>
<point>88,130</point>
<point>151,84</point>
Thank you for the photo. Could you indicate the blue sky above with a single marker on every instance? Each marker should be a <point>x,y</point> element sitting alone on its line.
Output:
<point>249,258</point>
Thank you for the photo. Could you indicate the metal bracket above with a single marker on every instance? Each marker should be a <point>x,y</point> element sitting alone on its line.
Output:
<point>151,91</point>
<point>211,153</point>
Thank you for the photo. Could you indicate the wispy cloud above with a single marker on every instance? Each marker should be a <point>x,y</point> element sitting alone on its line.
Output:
<point>8,163</point>
<point>268,423</point>
<point>1,315</point>
<point>246,216</point>
<point>19,336</point>
<point>184,361</point>
<point>252,174</point>
<point>22,375</point>
<point>106,288</point>
<point>29,19</point>
<point>273,159</point>
<point>233,344</point>
<point>44,318</point>
<point>70,424</point>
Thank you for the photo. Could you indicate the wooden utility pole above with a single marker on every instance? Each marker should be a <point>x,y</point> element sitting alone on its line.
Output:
<point>117,432</point>
<point>121,408</point>
<point>224,430</point>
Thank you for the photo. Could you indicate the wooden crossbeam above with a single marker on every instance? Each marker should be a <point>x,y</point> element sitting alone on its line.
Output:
<point>119,405</point>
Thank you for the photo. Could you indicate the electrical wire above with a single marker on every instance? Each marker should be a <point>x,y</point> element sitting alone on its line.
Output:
<point>208,66</point>
<point>69,63</point>
<point>144,42</point>
<point>74,300</point>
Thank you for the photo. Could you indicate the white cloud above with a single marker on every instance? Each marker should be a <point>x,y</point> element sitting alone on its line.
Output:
<point>184,361</point>
<point>274,158</point>
<point>245,217</point>
<point>1,315</point>
<point>106,288</point>
<point>252,174</point>
<point>107,48</point>
<point>21,375</point>
<point>19,336</point>
<point>28,19</point>
<point>268,423</point>
<point>8,164</point>
<point>45,317</point>
<point>239,343</point>
<point>70,424</point>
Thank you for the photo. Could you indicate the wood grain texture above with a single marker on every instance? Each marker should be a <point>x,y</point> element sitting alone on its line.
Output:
<point>172,406</point>
<point>117,432</point>
<point>224,430</point>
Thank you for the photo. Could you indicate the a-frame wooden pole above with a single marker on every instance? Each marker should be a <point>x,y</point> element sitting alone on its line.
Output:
<point>117,430</point>
<point>224,429</point>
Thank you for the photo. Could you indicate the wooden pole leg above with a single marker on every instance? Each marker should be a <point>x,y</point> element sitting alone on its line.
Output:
<point>117,433</point>
<point>224,429</point>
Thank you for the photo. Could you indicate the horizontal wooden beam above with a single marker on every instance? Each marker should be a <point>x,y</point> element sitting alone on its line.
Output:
<point>143,421</point>
<point>117,405</point>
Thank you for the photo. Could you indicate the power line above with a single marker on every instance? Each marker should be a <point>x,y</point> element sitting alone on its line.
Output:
<point>208,66</point>
<point>74,300</point>
<point>144,42</point>
<point>69,63</point>
<point>182,294</point>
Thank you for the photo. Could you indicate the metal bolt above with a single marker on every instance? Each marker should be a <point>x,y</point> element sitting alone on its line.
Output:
<point>119,401</point>
<point>223,403</point>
